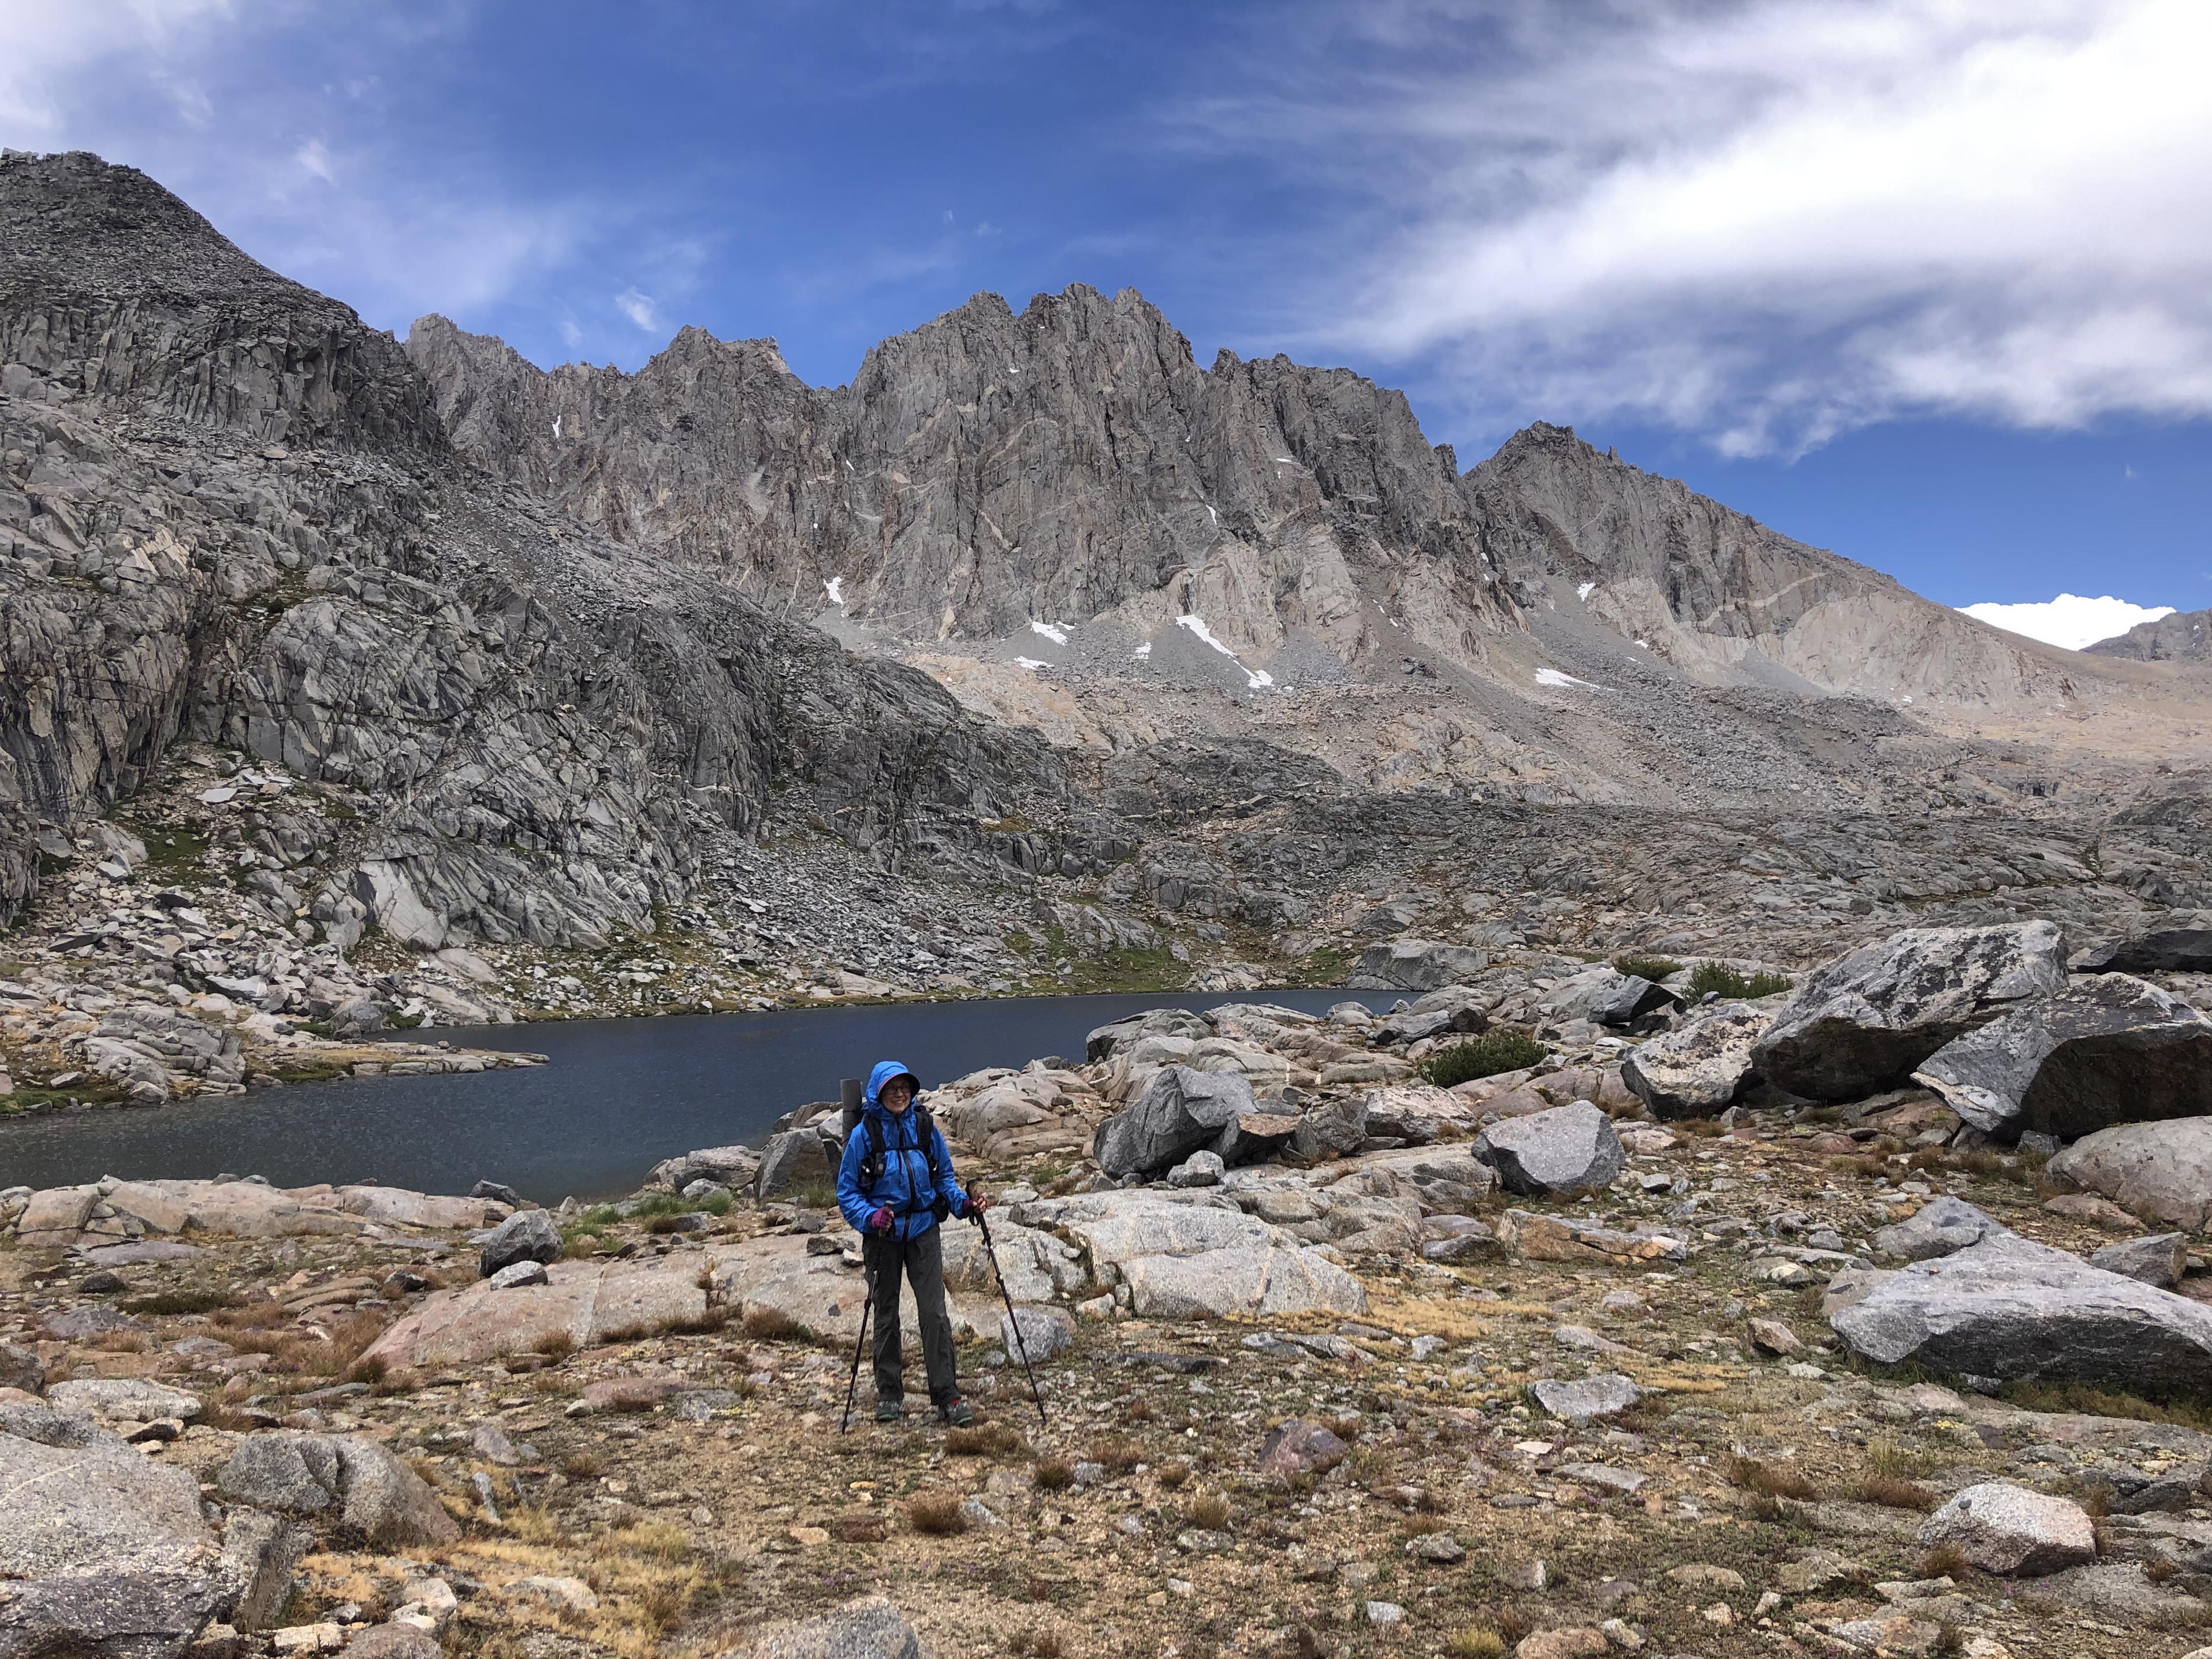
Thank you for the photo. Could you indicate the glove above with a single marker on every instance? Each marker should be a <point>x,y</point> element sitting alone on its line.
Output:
<point>975,1206</point>
<point>880,1222</point>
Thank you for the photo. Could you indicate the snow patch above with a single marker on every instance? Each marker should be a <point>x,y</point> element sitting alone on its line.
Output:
<point>1585,590</point>
<point>1257,679</point>
<point>1057,635</point>
<point>1643,645</point>
<point>1143,651</point>
<point>556,428</point>
<point>1216,517</point>
<point>1031,663</point>
<point>2069,620</point>
<point>835,587</point>
<point>1553,677</point>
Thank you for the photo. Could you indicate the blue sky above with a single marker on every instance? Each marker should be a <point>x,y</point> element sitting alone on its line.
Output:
<point>1928,283</point>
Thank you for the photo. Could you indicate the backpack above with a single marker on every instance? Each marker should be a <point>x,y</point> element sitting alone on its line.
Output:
<point>872,1161</point>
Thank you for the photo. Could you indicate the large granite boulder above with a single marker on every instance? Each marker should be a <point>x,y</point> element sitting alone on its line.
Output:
<point>1698,1068</point>
<point>794,1159</point>
<point>583,1302</point>
<point>1334,1129</point>
<point>1863,1021</point>
<point>2109,1049</point>
<point>1109,1040</point>
<point>2184,946</point>
<point>78,1500</point>
<point>2007,1309</point>
<point>1416,964</point>
<point>1942,1226</point>
<point>1568,1149</point>
<point>106,1615</point>
<point>349,1484</point>
<point>733,1166</point>
<point>870,1628</point>
<point>2011,1531</point>
<point>2159,1171</point>
<point>1179,1111</point>
<point>525,1236</point>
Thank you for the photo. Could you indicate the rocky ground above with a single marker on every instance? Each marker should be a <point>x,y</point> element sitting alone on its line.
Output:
<point>1564,1359</point>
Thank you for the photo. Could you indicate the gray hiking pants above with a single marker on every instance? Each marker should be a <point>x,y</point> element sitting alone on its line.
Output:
<point>921,1259</point>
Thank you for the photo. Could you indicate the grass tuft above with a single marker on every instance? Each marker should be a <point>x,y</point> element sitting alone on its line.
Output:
<point>937,1513</point>
<point>1893,1494</point>
<point>1210,1511</point>
<point>1476,1642</point>
<point>1769,1481</point>
<point>1171,1475</point>
<point>1718,977</point>
<point>1053,1474</point>
<point>985,1440</point>
<point>1119,1455</point>
<point>765,1324</point>
<point>1654,969</point>
<point>195,1299</point>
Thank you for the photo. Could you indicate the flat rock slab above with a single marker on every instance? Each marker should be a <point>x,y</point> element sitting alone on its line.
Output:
<point>78,1500</point>
<point>2157,1171</point>
<point>119,1399</point>
<point>1862,1023</point>
<point>821,1293</point>
<point>1197,1255</point>
<point>2011,1310</point>
<point>586,1303</point>
<point>870,1628</point>
<point>1604,1395</point>
<point>2184,949</point>
<point>2108,1050</point>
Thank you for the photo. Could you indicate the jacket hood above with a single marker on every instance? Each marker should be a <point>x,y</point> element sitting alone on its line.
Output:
<point>884,1072</point>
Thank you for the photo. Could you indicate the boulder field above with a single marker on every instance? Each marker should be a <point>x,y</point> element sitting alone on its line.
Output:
<point>1328,1354</point>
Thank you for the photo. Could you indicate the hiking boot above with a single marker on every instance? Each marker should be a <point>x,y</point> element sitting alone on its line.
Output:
<point>890,1411</point>
<point>955,1412</point>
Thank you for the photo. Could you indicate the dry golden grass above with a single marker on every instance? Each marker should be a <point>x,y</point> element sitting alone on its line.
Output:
<point>857,1527</point>
<point>1210,1510</point>
<point>1138,1410</point>
<point>1171,1475</point>
<point>1037,1642</point>
<point>985,1440</point>
<point>1053,1474</point>
<point>1768,1480</point>
<point>1119,1455</point>
<point>556,1346</point>
<point>937,1513</point>
<point>1476,1642</point>
<point>1893,1494</point>
<point>1944,1561</point>
<point>772,1325</point>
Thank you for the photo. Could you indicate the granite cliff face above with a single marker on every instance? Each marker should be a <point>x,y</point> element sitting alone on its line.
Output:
<point>230,513</point>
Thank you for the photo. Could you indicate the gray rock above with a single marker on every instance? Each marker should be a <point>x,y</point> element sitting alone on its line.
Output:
<point>2160,1259</point>
<point>1335,1129</point>
<point>115,1614</point>
<point>81,1324</point>
<point>259,1552</point>
<point>1568,1149</point>
<point>347,1484</point>
<point>525,1236</point>
<point>2168,950</point>
<point>1201,1168</point>
<point>21,1369</point>
<point>1698,1068</point>
<point>1298,1447</point>
<point>869,1628</point>
<point>1940,1227</point>
<point>1416,965</point>
<point>2159,1171</point>
<point>1252,1137</point>
<point>2105,1050</point>
<point>115,1399</point>
<point>517,1274</point>
<point>1619,998</point>
<point>796,1158</point>
<point>497,1193</point>
<point>1607,1395</point>
<point>1179,1111</point>
<point>394,1642</point>
<point>2012,1531</point>
<point>1863,1021</point>
<point>2014,1310</point>
<point>733,1166</point>
<point>1109,1040</point>
<point>1044,1333</point>
<point>79,1500</point>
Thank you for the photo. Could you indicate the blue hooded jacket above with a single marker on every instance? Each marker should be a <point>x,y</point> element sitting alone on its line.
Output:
<point>904,1188</point>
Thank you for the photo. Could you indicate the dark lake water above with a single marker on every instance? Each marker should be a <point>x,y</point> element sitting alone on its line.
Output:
<point>617,1096</point>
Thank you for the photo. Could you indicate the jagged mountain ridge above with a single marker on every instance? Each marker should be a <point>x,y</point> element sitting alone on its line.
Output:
<point>1073,463</point>
<point>2183,636</point>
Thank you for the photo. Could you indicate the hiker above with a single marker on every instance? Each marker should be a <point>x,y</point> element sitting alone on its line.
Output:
<point>895,1185</point>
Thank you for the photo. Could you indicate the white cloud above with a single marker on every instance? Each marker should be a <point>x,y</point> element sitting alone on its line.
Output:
<point>2069,620</point>
<point>638,307</point>
<point>314,156</point>
<point>1766,221</point>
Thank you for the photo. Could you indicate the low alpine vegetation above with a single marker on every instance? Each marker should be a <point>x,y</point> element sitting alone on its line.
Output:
<point>1479,1057</point>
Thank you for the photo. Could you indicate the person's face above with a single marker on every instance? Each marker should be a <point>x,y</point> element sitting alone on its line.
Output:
<point>897,1095</point>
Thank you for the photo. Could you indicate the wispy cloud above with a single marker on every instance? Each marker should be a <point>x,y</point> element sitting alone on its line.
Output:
<point>638,307</point>
<point>1765,221</point>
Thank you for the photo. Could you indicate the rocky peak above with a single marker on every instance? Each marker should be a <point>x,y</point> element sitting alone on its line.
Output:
<point>114,290</point>
<point>2185,636</point>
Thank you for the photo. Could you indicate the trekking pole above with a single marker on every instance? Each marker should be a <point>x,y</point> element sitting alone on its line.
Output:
<point>1014,1323</point>
<point>853,1382</point>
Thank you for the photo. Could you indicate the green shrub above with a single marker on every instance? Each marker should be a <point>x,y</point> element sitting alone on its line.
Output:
<point>1654,969</point>
<point>1484,1056</point>
<point>1719,977</point>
